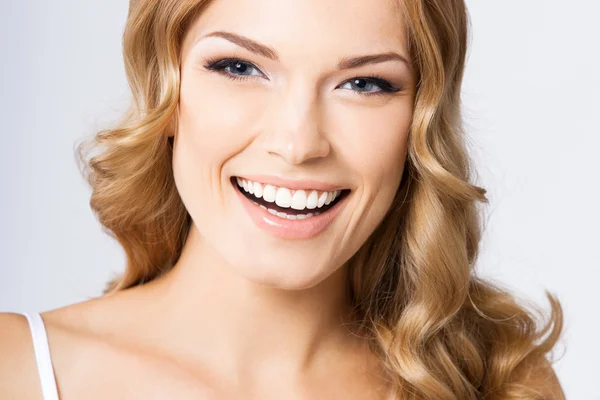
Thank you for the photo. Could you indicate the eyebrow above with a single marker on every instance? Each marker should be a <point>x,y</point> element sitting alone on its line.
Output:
<point>269,52</point>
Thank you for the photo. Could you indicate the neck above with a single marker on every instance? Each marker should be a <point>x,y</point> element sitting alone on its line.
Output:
<point>209,312</point>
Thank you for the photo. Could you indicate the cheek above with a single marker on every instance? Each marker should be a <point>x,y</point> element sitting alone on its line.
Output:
<point>373,145</point>
<point>215,123</point>
<point>215,120</point>
<point>375,142</point>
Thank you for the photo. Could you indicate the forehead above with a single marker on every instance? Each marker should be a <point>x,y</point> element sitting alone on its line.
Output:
<point>309,27</point>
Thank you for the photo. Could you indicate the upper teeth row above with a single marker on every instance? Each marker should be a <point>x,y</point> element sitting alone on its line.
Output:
<point>286,198</point>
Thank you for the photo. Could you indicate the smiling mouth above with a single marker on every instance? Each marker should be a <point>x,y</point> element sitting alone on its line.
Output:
<point>302,206</point>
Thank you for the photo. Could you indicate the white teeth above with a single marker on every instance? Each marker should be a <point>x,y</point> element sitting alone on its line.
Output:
<point>322,199</point>
<point>289,216</point>
<point>269,193</point>
<point>299,200</point>
<point>313,199</point>
<point>258,191</point>
<point>283,198</point>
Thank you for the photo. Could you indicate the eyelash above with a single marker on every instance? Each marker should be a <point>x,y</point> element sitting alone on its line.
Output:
<point>219,65</point>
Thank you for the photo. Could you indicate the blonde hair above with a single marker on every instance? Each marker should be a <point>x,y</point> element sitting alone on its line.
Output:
<point>439,330</point>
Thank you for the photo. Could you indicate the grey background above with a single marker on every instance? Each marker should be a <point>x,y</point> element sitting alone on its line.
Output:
<point>531,100</point>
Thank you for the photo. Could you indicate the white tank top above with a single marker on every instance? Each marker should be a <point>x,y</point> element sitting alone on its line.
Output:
<point>42,356</point>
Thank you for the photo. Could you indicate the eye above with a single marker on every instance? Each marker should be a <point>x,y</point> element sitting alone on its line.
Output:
<point>365,84</point>
<point>237,69</point>
<point>233,68</point>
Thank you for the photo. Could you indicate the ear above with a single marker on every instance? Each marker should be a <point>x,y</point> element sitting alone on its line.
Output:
<point>171,130</point>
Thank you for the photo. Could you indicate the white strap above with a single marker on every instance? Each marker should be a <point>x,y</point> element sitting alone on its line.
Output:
<point>42,356</point>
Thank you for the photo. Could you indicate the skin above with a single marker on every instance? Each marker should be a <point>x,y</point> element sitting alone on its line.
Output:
<point>244,314</point>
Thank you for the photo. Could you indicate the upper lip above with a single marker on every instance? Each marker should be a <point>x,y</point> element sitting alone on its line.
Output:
<point>294,184</point>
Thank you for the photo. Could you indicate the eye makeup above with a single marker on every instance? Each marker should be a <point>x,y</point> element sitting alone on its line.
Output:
<point>228,67</point>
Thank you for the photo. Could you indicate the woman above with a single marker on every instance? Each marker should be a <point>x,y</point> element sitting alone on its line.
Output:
<point>294,198</point>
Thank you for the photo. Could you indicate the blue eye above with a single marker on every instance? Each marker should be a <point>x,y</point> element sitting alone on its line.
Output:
<point>236,69</point>
<point>230,67</point>
<point>370,82</point>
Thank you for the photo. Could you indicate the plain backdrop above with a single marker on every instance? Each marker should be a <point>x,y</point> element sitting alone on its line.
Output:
<point>531,105</point>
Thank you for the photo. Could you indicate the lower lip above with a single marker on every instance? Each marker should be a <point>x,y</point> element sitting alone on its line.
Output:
<point>287,228</point>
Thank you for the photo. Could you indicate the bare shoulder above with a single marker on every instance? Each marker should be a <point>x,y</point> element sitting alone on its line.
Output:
<point>66,332</point>
<point>18,369</point>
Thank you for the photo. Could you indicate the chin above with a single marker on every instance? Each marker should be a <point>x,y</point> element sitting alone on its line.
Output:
<point>284,273</point>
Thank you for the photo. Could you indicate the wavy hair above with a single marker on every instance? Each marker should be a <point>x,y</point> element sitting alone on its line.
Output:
<point>439,330</point>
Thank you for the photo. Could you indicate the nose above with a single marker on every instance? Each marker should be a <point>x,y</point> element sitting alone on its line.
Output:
<point>295,133</point>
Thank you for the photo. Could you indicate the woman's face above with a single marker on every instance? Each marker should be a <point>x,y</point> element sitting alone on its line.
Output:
<point>323,147</point>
